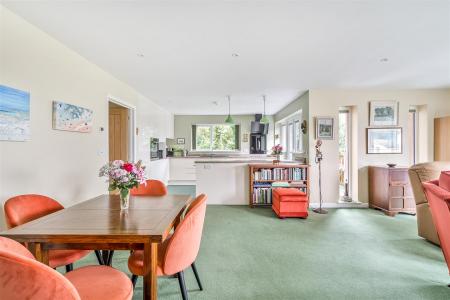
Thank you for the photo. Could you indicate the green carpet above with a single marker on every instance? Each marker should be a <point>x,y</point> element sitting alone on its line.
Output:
<point>347,254</point>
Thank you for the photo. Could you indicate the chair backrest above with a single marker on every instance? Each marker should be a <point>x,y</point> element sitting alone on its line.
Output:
<point>439,201</point>
<point>25,208</point>
<point>425,172</point>
<point>184,245</point>
<point>151,188</point>
<point>22,277</point>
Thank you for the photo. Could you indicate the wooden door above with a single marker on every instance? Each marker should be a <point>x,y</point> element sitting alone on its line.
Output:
<point>442,138</point>
<point>118,132</point>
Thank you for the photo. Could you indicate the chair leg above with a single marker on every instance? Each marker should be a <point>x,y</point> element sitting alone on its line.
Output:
<point>110,256</point>
<point>182,285</point>
<point>69,268</point>
<point>196,276</point>
<point>134,279</point>
<point>99,257</point>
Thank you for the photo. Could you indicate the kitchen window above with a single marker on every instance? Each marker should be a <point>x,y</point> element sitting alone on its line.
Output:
<point>215,137</point>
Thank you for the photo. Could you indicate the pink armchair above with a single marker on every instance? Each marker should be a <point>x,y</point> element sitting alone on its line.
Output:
<point>438,195</point>
<point>22,277</point>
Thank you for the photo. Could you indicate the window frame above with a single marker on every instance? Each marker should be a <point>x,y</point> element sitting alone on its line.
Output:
<point>291,150</point>
<point>211,138</point>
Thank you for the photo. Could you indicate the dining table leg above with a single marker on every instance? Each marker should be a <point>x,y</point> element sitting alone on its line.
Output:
<point>39,251</point>
<point>150,265</point>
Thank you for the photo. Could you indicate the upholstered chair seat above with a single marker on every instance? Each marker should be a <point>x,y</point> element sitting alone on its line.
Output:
<point>25,208</point>
<point>22,277</point>
<point>179,251</point>
<point>150,188</point>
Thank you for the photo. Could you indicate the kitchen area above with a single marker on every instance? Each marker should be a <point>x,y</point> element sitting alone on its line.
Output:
<point>194,164</point>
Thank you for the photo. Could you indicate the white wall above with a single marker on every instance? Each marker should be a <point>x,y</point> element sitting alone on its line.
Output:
<point>183,127</point>
<point>327,103</point>
<point>63,165</point>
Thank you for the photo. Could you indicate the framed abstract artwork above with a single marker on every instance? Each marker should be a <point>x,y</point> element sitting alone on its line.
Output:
<point>14,114</point>
<point>71,117</point>
<point>324,128</point>
<point>384,140</point>
<point>383,113</point>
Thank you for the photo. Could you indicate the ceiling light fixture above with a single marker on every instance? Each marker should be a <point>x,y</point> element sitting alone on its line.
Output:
<point>264,119</point>
<point>235,54</point>
<point>384,59</point>
<point>140,55</point>
<point>229,119</point>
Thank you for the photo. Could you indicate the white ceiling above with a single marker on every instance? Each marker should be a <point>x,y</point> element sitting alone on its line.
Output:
<point>284,47</point>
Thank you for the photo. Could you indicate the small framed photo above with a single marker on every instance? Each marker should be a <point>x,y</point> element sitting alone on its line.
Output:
<point>180,141</point>
<point>383,113</point>
<point>384,140</point>
<point>324,128</point>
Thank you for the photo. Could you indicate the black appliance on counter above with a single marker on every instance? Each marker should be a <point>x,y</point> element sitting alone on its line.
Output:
<point>258,136</point>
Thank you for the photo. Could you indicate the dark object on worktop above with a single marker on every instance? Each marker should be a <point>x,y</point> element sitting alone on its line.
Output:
<point>258,144</point>
<point>391,165</point>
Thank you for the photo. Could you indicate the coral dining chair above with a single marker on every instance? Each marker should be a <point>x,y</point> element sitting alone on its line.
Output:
<point>151,187</point>
<point>25,208</point>
<point>178,251</point>
<point>22,277</point>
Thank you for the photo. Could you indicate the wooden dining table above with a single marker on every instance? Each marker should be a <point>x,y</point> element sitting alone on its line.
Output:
<point>100,224</point>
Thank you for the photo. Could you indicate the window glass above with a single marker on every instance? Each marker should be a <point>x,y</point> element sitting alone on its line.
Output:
<point>203,138</point>
<point>215,137</point>
<point>298,136</point>
<point>283,137</point>
<point>291,137</point>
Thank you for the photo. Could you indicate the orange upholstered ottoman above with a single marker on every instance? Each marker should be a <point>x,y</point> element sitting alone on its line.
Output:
<point>290,202</point>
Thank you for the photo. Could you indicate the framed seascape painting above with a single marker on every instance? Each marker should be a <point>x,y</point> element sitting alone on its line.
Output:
<point>324,128</point>
<point>383,113</point>
<point>71,117</point>
<point>384,140</point>
<point>14,114</point>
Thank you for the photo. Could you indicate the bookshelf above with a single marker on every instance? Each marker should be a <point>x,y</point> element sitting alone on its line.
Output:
<point>262,176</point>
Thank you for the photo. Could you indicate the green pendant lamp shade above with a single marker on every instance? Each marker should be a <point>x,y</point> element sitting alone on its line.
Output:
<point>229,119</point>
<point>264,119</point>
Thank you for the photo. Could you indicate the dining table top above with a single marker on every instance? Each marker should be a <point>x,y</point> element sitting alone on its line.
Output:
<point>101,218</point>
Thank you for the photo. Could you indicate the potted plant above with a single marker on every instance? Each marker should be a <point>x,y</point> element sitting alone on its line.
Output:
<point>123,176</point>
<point>277,150</point>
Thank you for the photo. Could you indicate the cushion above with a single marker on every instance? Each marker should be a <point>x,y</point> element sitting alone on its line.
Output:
<point>444,180</point>
<point>288,192</point>
<point>101,282</point>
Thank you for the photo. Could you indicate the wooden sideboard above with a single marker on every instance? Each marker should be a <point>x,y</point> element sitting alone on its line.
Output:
<point>390,190</point>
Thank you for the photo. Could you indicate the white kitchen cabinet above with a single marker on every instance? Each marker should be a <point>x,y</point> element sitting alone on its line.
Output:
<point>182,171</point>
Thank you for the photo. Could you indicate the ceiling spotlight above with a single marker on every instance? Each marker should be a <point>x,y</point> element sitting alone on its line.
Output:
<point>215,103</point>
<point>140,55</point>
<point>384,59</point>
<point>235,54</point>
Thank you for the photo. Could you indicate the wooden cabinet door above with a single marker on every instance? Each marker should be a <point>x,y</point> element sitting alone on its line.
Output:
<point>442,138</point>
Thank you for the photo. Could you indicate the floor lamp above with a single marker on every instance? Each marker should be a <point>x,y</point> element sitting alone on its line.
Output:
<point>319,157</point>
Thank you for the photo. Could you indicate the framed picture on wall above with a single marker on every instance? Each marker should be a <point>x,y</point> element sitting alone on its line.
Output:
<point>180,141</point>
<point>384,140</point>
<point>383,113</point>
<point>324,128</point>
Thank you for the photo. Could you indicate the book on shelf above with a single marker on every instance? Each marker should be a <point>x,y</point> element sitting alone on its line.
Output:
<point>280,174</point>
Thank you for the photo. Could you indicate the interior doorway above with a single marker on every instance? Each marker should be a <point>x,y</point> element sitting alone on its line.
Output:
<point>121,127</point>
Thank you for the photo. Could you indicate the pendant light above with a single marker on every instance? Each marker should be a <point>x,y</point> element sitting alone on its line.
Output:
<point>229,119</point>
<point>264,119</point>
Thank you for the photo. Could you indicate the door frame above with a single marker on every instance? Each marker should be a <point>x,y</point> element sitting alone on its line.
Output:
<point>131,124</point>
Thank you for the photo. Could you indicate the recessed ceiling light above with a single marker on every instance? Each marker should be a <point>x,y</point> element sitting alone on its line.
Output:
<point>235,54</point>
<point>215,103</point>
<point>384,59</point>
<point>140,54</point>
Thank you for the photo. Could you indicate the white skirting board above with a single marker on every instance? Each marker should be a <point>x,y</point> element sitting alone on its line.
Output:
<point>340,205</point>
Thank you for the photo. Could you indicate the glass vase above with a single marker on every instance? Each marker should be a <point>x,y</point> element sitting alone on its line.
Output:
<point>124,199</point>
